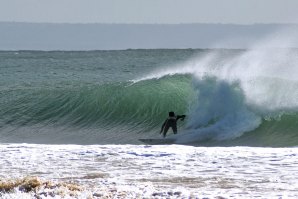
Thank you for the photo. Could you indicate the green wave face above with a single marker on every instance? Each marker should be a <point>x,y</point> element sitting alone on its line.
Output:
<point>124,107</point>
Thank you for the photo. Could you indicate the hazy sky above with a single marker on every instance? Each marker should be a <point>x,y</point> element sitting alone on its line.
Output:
<point>150,11</point>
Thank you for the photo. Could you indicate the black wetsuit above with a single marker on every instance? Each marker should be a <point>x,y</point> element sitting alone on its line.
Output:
<point>171,122</point>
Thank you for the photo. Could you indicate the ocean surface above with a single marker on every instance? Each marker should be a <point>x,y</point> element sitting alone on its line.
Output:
<point>73,120</point>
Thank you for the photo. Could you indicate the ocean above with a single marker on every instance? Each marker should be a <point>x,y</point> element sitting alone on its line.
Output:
<point>70,123</point>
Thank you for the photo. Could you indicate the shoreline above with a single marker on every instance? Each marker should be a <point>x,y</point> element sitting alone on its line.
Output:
<point>143,171</point>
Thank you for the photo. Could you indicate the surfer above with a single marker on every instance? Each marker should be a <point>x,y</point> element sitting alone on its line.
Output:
<point>171,121</point>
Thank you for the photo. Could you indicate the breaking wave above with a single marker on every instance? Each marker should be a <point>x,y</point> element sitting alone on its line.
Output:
<point>247,98</point>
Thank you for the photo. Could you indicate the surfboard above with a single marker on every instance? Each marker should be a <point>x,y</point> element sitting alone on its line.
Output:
<point>158,141</point>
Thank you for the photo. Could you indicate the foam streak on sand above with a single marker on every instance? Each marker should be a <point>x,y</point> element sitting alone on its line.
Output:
<point>126,171</point>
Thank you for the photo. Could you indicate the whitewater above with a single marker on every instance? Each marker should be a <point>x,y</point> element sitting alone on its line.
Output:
<point>70,123</point>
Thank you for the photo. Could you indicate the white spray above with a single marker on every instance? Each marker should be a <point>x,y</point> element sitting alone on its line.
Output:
<point>235,91</point>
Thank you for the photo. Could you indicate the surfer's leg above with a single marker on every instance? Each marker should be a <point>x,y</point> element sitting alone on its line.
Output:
<point>165,130</point>
<point>174,129</point>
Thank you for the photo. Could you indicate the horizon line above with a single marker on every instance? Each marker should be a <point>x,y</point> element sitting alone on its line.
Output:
<point>115,23</point>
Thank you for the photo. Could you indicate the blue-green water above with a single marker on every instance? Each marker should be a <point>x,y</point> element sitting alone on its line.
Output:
<point>231,97</point>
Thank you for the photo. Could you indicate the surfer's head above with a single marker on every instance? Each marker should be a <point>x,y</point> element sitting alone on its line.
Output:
<point>171,114</point>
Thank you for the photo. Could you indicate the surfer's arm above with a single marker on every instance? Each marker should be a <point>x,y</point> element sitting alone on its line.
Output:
<point>180,117</point>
